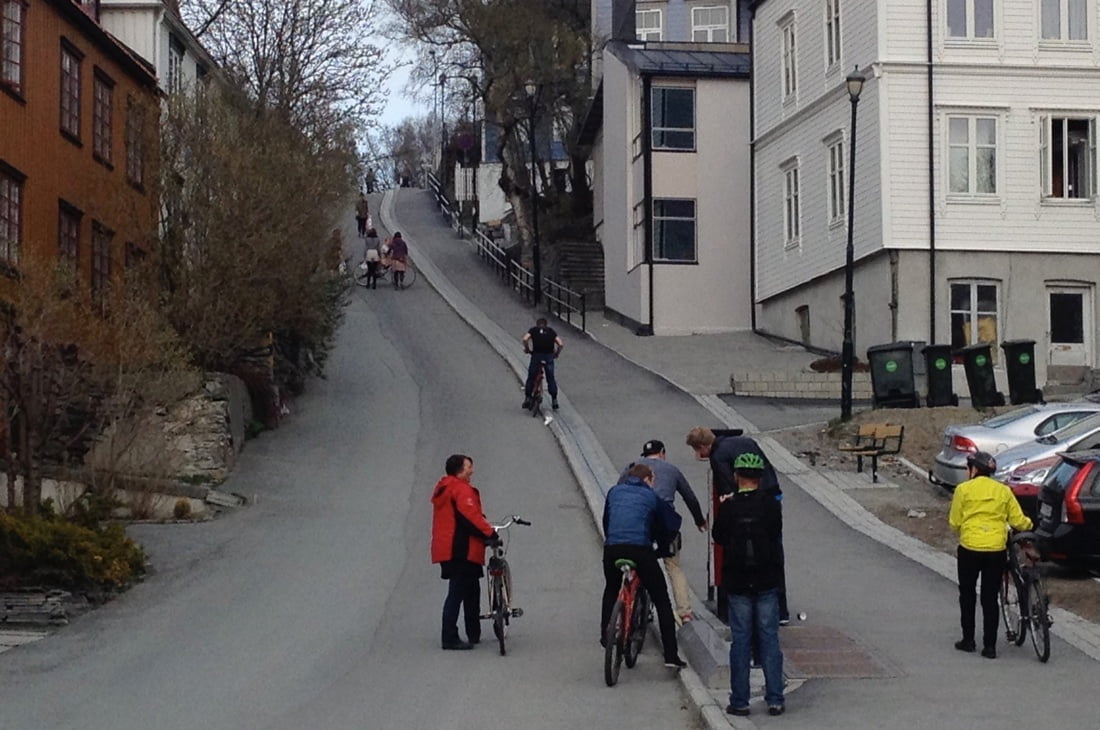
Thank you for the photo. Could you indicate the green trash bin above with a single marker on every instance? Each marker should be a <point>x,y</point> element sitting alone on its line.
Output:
<point>892,382</point>
<point>937,365</point>
<point>1020,365</point>
<point>978,362</point>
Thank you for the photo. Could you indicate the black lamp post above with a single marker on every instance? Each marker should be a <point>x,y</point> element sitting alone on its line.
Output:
<point>532,90</point>
<point>443,127</point>
<point>854,82</point>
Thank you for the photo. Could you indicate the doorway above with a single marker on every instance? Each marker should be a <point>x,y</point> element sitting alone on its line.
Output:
<point>1069,317</point>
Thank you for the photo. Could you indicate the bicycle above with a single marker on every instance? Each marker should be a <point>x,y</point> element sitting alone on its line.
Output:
<point>1025,602</point>
<point>534,403</point>
<point>384,273</point>
<point>625,632</point>
<point>499,585</point>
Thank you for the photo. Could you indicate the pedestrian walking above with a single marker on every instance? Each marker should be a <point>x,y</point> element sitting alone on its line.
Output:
<point>981,510</point>
<point>362,213</point>
<point>370,180</point>
<point>399,259</point>
<point>459,534</point>
<point>372,257</point>
<point>668,481</point>
<point>748,528</point>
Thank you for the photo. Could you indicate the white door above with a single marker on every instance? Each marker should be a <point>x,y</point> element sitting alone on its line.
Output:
<point>1069,311</point>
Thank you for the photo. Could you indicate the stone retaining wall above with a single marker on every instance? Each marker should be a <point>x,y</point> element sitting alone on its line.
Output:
<point>797,384</point>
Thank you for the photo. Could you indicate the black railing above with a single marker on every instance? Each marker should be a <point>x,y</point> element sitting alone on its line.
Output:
<point>560,301</point>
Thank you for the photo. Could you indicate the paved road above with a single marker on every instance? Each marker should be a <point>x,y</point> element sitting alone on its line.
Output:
<point>317,606</point>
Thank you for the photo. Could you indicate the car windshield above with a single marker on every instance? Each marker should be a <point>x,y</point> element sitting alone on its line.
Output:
<point>1074,431</point>
<point>1060,476</point>
<point>1006,418</point>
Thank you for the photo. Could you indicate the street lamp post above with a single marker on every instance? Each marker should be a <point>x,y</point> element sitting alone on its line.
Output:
<point>532,90</point>
<point>443,128</point>
<point>854,82</point>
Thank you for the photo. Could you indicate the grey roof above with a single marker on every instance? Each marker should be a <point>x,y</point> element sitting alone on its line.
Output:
<point>655,60</point>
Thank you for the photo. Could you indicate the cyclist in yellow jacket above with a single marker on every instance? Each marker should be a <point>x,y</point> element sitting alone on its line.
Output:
<point>981,509</point>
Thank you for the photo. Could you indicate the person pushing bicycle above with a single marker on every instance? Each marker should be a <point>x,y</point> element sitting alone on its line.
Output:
<point>634,518</point>
<point>543,345</point>
<point>981,509</point>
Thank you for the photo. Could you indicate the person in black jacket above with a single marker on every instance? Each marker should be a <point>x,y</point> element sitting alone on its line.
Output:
<point>748,528</point>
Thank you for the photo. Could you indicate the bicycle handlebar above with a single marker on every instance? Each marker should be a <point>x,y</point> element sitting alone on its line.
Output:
<point>513,520</point>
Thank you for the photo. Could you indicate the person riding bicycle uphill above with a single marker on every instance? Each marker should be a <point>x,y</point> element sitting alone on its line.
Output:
<point>634,517</point>
<point>459,534</point>
<point>981,509</point>
<point>668,480</point>
<point>543,345</point>
<point>748,528</point>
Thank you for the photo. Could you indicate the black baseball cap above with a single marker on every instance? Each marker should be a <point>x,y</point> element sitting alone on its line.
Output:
<point>652,447</point>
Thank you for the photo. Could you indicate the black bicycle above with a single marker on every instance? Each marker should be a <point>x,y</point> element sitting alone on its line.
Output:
<point>1025,603</point>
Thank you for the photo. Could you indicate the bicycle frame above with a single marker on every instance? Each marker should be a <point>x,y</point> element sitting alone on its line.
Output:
<point>499,584</point>
<point>628,594</point>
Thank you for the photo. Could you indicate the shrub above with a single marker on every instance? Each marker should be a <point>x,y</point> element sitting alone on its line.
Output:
<point>182,509</point>
<point>58,553</point>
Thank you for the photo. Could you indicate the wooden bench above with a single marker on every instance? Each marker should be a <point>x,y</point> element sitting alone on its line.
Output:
<point>874,440</point>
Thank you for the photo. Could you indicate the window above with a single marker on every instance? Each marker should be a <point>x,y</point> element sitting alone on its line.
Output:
<point>11,215</point>
<point>135,142</point>
<point>790,71</point>
<point>970,19</point>
<point>837,191</point>
<point>638,250</point>
<point>673,230</point>
<point>175,65</point>
<point>832,33</point>
<point>973,313</point>
<point>648,25</point>
<point>1068,148</point>
<point>12,39</point>
<point>972,155</point>
<point>70,91</point>
<point>710,24</point>
<point>1064,20</point>
<point>792,211</point>
<point>101,262</point>
<point>673,118</point>
<point>68,233</point>
<point>103,92</point>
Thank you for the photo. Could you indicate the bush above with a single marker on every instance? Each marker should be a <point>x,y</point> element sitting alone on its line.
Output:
<point>57,553</point>
<point>182,509</point>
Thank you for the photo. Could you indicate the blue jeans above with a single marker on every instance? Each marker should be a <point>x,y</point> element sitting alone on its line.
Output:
<point>743,609</point>
<point>547,359</point>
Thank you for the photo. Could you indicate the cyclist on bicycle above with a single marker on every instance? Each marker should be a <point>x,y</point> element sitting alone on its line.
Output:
<point>634,517</point>
<point>980,510</point>
<point>543,345</point>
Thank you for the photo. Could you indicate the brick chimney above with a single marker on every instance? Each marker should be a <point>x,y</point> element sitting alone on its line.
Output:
<point>623,22</point>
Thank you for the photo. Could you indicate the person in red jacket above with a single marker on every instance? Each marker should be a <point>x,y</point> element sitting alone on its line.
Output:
<point>459,534</point>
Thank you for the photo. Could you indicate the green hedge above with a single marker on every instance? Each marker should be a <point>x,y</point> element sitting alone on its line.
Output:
<point>56,553</point>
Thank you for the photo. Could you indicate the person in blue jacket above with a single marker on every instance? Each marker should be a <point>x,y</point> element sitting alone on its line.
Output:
<point>634,518</point>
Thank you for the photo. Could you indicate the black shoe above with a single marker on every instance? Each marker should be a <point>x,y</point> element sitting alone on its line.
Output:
<point>989,652</point>
<point>967,646</point>
<point>739,711</point>
<point>475,639</point>
<point>603,641</point>
<point>457,645</point>
<point>526,403</point>
<point>554,405</point>
<point>776,709</point>
<point>675,663</point>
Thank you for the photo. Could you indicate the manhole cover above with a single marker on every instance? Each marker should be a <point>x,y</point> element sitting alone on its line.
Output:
<point>820,651</point>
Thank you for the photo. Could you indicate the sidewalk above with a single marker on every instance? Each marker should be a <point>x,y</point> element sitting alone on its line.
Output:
<point>871,614</point>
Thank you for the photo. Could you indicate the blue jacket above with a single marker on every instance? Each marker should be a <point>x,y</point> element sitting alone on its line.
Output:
<point>633,514</point>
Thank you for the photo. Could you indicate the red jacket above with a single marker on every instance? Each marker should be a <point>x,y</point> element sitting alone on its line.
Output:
<point>459,529</point>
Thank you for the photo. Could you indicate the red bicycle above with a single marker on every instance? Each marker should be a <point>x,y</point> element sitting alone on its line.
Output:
<point>625,632</point>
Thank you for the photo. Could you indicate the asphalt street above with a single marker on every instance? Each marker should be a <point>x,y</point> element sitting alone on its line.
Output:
<point>318,607</point>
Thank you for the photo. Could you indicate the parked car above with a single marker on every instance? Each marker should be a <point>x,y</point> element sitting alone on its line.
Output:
<point>1069,509</point>
<point>1080,436</point>
<point>1001,432</point>
<point>1026,481</point>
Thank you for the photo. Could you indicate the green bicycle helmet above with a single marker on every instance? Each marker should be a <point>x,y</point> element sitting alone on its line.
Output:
<point>748,462</point>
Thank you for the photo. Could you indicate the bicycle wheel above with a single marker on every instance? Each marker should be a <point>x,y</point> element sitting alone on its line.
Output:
<point>1015,626</point>
<point>410,275</point>
<point>639,620</point>
<point>499,607</point>
<point>613,640</point>
<point>1037,616</point>
<point>535,405</point>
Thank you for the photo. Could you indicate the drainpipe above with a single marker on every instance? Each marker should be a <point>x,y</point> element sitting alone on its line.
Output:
<point>647,189</point>
<point>931,190</point>
<point>752,176</point>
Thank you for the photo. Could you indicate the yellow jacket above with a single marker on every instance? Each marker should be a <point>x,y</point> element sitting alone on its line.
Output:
<point>980,510</point>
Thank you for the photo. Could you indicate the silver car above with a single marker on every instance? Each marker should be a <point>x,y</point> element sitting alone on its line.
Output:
<point>1080,436</point>
<point>998,433</point>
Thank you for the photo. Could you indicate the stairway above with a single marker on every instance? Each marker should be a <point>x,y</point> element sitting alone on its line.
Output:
<point>580,267</point>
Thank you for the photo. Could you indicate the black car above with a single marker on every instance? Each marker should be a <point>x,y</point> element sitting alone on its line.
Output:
<point>1069,508</point>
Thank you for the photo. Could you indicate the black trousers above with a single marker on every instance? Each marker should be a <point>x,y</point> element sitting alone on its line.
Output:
<point>463,591</point>
<point>990,566</point>
<point>652,579</point>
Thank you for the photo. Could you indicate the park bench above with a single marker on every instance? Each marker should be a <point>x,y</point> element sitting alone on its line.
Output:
<point>874,440</point>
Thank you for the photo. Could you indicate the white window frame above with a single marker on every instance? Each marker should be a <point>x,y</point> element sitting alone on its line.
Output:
<point>1046,160</point>
<point>657,219</point>
<point>792,203</point>
<point>973,314</point>
<point>832,34</point>
<point>654,129</point>
<point>789,60</point>
<point>176,53</point>
<point>836,169</point>
<point>970,22</point>
<point>1063,22</point>
<point>649,33</point>
<point>710,28</point>
<point>972,148</point>
<point>637,248</point>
